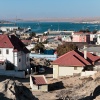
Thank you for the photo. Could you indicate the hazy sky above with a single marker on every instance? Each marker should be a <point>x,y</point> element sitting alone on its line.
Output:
<point>49,8</point>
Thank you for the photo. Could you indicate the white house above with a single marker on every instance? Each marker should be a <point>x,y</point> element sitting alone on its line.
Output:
<point>13,51</point>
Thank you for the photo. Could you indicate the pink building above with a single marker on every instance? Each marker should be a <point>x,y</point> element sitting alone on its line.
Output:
<point>81,37</point>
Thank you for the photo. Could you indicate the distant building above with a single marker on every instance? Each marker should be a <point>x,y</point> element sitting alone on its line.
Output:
<point>6,29</point>
<point>93,38</point>
<point>26,42</point>
<point>81,37</point>
<point>59,34</point>
<point>98,39</point>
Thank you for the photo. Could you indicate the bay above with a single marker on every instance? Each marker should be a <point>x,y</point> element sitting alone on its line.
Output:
<point>40,27</point>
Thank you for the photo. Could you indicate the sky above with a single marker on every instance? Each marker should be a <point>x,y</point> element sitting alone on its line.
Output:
<point>30,9</point>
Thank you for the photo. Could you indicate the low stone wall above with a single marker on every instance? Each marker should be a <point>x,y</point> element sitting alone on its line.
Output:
<point>88,73</point>
<point>19,74</point>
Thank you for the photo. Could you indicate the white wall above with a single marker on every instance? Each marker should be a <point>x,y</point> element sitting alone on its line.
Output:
<point>88,73</point>
<point>23,64</point>
<point>19,57</point>
<point>63,71</point>
<point>92,36</point>
<point>98,39</point>
<point>5,56</point>
<point>79,70</point>
<point>24,61</point>
<point>14,57</point>
<point>15,60</point>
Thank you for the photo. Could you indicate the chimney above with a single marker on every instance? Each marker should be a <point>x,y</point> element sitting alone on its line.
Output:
<point>85,52</point>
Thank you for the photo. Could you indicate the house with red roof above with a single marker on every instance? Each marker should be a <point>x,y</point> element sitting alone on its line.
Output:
<point>13,51</point>
<point>38,83</point>
<point>74,62</point>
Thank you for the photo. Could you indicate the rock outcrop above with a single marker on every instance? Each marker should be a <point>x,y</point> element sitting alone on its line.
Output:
<point>14,90</point>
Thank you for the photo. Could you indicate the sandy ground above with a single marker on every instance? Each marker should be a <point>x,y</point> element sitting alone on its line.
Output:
<point>63,83</point>
<point>51,95</point>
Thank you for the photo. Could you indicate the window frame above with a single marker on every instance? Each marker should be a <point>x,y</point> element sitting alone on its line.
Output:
<point>0,51</point>
<point>19,60</point>
<point>75,68</point>
<point>7,51</point>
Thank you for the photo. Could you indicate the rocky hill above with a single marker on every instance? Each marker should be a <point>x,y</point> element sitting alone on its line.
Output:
<point>80,88</point>
<point>14,90</point>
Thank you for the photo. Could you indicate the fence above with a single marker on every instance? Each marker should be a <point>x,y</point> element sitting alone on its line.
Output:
<point>20,74</point>
<point>48,57</point>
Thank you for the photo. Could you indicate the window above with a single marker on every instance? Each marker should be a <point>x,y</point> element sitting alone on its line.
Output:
<point>39,87</point>
<point>19,60</point>
<point>0,51</point>
<point>75,68</point>
<point>7,51</point>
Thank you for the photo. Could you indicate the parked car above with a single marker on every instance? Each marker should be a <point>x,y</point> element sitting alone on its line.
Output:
<point>41,70</point>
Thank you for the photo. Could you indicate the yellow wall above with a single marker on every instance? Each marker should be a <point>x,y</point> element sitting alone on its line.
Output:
<point>63,71</point>
<point>79,70</point>
<point>43,88</point>
<point>55,71</point>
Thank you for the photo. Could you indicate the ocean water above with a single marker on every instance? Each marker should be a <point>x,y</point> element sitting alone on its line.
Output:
<point>40,27</point>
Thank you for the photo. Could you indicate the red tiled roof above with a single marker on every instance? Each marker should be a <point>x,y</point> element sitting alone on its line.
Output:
<point>12,42</point>
<point>5,42</point>
<point>74,61</point>
<point>90,57</point>
<point>72,58</point>
<point>93,57</point>
<point>39,80</point>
